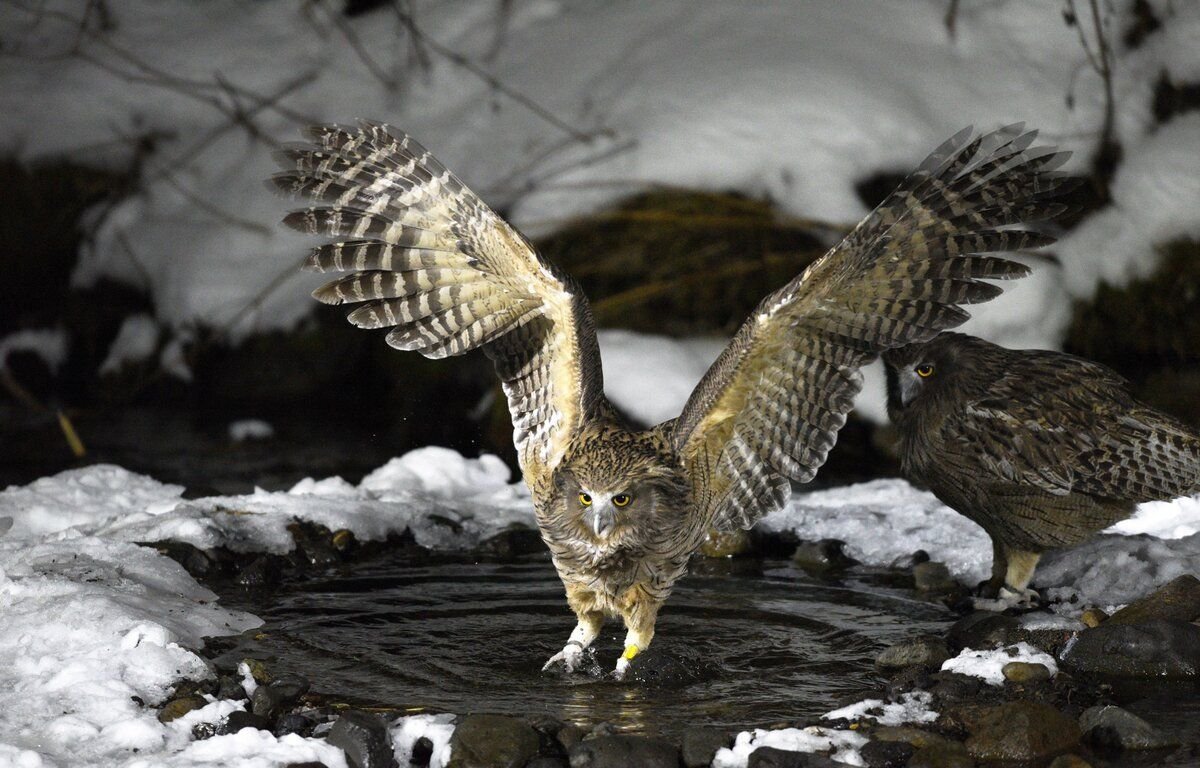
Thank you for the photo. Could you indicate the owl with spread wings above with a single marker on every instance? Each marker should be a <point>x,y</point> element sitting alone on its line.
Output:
<point>623,509</point>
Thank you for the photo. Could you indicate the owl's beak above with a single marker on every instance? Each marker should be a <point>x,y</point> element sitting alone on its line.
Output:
<point>601,519</point>
<point>910,385</point>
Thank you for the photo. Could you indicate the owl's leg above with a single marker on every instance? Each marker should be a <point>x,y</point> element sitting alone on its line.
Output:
<point>1014,591</point>
<point>581,637</point>
<point>991,587</point>
<point>640,617</point>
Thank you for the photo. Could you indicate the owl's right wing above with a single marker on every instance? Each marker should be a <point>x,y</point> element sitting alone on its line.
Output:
<point>1067,425</point>
<point>428,259</point>
<point>769,408</point>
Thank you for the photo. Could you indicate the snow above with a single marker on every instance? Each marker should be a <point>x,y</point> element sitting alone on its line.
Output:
<point>843,745</point>
<point>650,377</point>
<point>136,341</point>
<point>437,728</point>
<point>50,344</point>
<point>988,664</point>
<point>912,707</point>
<point>766,99</point>
<point>250,429</point>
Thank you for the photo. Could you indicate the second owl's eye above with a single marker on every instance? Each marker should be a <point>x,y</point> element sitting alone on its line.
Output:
<point>622,499</point>
<point>585,499</point>
<point>925,371</point>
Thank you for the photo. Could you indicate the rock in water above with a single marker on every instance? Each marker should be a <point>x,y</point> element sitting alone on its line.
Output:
<point>623,750</point>
<point>1161,648</point>
<point>272,699</point>
<point>982,630</point>
<point>700,745</point>
<point>364,738</point>
<point>934,578</point>
<point>1022,730</point>
<point>1115,728</point>
<point>824,556</point>
<point>886,754</point>
<point>492,741</point>
<point>1177,599</point>
<point>770,757</point>
<point>949,754</point>
<point>926,652</point>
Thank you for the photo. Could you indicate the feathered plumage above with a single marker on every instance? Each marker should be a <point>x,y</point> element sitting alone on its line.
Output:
<point>621,509</point>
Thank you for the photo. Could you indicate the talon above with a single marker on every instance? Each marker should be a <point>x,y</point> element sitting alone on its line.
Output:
<point>569,656</point>
<point>622,668</point>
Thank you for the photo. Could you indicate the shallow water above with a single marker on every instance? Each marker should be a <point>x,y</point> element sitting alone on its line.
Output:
<point>746,644</point>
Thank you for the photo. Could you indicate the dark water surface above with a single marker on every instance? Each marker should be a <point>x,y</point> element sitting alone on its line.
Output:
<point>749,643</point>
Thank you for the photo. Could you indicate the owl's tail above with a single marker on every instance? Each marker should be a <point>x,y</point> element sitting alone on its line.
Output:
<point>424,255</point>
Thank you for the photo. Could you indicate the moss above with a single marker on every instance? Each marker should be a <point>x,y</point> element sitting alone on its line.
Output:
<point>682,261</point>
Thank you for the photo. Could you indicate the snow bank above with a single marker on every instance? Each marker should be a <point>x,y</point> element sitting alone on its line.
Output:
<point>911,708</point>
<point>795,101</point>
<point>843,745</point>
<point>988,665</point>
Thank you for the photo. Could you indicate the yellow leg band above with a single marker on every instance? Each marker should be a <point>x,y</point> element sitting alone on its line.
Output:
<point>630,652</point>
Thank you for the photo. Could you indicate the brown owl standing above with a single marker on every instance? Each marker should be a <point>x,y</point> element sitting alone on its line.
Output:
<point>1041,449</point>
<point>623,509</point>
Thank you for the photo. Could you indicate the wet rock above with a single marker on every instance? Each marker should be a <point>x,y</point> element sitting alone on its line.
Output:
<point>422,752</point>
<point>308,764</point>
<point>272,699</point>
<point>1177,599</point>
<point>1022,730</point>
<point>946,754</point>
<point>934,578</point>
<point>982,630</point>
<point>906,680</point>
<point>202,731</point>
<point>231,688</point>
<point>547,762</point>
<point>770,757</point>
<point>364,738</point>
<point>569,735</point>
<point>343,541</point>
<point>1114,728</point>
<point>916,737</point>
<point>953,687</point>
<point>886,754</point>
<point>1159,648</point>
<point>492,741</point>
<point>238,720</point>
<point>314,545</point>
<point>926,652</point>
<point>622,750</point>
<point>293,722</point>
<point>1093,617</point>
<point>263,571</point>
<point>701,744</point>
<point>726,544</point>
<point>908,562</point>
<point>180,706</point>
<point>1069,761</point>
<point>670,666</point>
<point>1024,672</point>
<point>258,671</point>
<point>824,556</point>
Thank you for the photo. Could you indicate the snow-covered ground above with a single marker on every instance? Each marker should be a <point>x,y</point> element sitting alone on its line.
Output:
<point>93,620</point>
<point>797,101</point>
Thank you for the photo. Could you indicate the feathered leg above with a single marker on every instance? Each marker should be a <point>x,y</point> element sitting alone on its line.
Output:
<point>1018,572</point>
<point>586,630</point>
<point>640,613</point>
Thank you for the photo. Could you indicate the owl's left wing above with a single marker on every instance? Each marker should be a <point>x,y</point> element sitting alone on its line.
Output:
<point>769,408</point>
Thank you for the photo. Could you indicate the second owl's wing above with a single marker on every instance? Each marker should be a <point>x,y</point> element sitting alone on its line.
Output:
<point>428,259</point>
<point>769,408</point>
<point>1068,425</point>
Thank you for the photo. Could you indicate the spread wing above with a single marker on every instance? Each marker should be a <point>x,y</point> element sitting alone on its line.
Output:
<point>1064,424</point>
<point>769,408</point>
<point>425,257</point>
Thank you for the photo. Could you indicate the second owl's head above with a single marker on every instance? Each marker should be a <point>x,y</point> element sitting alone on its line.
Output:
<point>918,373</point>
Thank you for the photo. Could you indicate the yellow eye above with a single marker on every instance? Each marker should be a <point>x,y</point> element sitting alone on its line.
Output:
<point>585,500</point>
<point>925,371</point>
<point>622,499</point>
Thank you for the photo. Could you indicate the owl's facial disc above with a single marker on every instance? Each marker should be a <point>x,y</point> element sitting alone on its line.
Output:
<point>911,380</point>
<point>600,511</point>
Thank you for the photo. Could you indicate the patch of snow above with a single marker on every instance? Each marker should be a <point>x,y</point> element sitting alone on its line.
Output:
<point>913,707</point>
<point>136,341</point>
<point>437,728</point>
<point>252,748</point>
<point>1110,571</point>
<point>987,664</point>
<point>250,429</point>
<point>50,344</point>
<point>173,358</point>
<point>1175,519</point>
<point>844,745</point>
<point>249,684</point>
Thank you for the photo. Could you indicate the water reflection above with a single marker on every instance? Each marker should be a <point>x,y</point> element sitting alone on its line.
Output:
<point>746,646</point>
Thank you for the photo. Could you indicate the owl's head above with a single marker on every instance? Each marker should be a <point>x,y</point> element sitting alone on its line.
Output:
<point>610,488</point>
<point>918,373</point>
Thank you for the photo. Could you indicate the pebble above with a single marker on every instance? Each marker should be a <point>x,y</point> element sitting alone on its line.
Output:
<point>1093,617</point>
<point>1177,599</point>
<point>1022,730</point>
<point>293,723</point>
<point>1162,648</point>
<point>364,738</point>
<point>700,745</point>
<point>1117,729</point>
<point>947,754</point>
<point>926,652</point>
<point>238,720</point>
<point>824,556</point>
<point>934,578</point>
<point>1024,672</point>
<point>886,754</point>
<point>570,735</point>
<point>492,741</point>
<point>179,707</point>
<point>726,544</point>
<point>622,751</point>
<point>272,699</point>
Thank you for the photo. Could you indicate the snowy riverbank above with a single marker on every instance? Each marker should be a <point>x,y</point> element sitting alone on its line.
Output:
<point>97,629</point>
